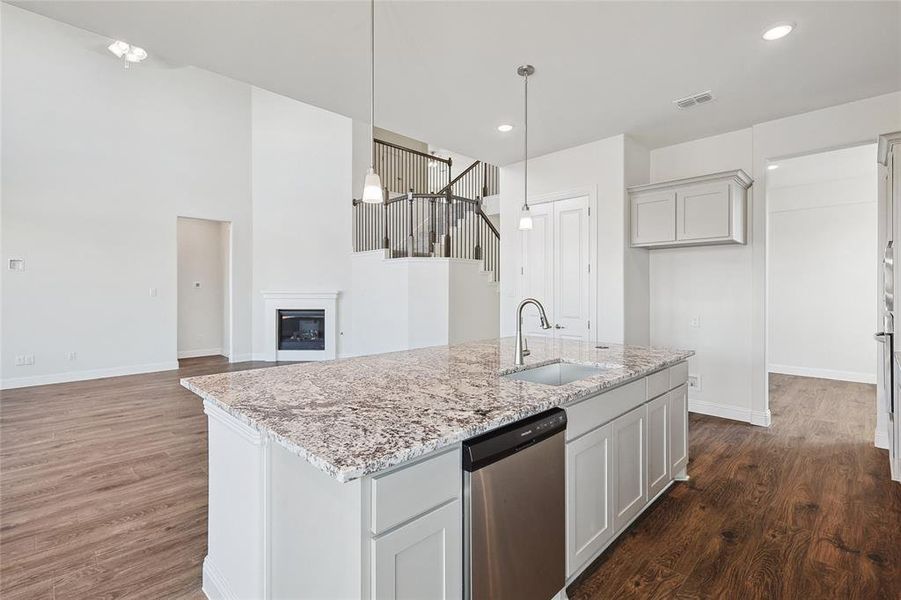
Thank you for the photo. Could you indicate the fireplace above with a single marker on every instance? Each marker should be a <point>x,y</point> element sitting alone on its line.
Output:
<point>300,325</point>
<point>301,329</point>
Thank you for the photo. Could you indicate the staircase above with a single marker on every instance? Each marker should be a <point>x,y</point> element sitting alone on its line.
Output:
<point>436,216</point>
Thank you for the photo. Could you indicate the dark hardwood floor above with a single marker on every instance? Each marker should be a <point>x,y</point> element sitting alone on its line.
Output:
<point>103,495</point>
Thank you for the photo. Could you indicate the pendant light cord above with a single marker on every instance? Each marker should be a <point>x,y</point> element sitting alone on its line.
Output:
<point>372,84</point>
<point>525,183</point>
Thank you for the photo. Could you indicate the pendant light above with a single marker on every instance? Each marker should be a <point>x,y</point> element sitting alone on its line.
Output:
<point>372,183</point>
<point>525,217</point>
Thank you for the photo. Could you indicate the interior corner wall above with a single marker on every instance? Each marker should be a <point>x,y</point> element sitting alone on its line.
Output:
<point>822,289</point>
<point>636,267</point>
<point>302,159</point>
<point>598,166</point>
<point>98,163</point>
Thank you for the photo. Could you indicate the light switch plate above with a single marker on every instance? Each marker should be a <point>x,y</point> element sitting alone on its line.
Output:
<point>694,382</point>
<point>17,264</point>
<point>695,322</point>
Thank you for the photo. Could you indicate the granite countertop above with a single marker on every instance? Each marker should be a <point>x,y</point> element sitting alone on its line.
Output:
<point>357,416</point>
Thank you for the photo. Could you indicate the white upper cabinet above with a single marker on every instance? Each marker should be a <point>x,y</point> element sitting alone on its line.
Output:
<point>690,212</point>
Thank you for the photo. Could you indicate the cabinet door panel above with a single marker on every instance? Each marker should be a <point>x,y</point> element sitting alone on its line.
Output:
<point>703,212</point>
<point>629,466</point>
<point>654,218</point>
<point>678,428</point>
<point>422,558</point>
<point>589,512</point>
<point>658,445</point>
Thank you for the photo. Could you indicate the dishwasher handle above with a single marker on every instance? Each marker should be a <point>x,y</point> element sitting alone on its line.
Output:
<point>488,448</point>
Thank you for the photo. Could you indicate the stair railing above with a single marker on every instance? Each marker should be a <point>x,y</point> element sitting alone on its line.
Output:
<point>444,223</point>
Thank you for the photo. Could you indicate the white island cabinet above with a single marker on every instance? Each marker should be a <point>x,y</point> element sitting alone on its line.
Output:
<point>624,448</point>
<point>317,494</point>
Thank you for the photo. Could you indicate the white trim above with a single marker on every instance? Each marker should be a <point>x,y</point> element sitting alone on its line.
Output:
<point>236,358</point>
<point>199,353</point>
<point>722,411</point>
<point>880,439</point>
<point>854,376</point>
<point>69,376</point>
<point>273,301</point>
<point>244,430</point>
<point>214,585</point>
<point>738,176</point>
<point>761,418</point>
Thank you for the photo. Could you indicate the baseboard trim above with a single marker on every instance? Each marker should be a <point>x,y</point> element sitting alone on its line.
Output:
<point>215,586</point>
<point>761,418</point>
<point>70,376</point>
<point>722,411</point>
<point>855,376</point>
<point>241,358</point>
<point>199,353</point>
<point>880,439</point>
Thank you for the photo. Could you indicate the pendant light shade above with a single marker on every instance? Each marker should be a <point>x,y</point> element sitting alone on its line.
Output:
<point>525,217</point>
<point>372,188</point>
<point>372,183</point>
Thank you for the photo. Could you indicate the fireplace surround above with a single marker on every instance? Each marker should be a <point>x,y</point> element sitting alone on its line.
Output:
<point>300,325</point>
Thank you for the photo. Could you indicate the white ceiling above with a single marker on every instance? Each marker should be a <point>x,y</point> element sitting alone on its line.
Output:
<point>445,70</point>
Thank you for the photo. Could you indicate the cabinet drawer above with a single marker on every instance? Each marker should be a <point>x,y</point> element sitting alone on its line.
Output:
<point>658,383</point>
<point>678,375</point>
<point>597,410</point>
<point>401,495</point>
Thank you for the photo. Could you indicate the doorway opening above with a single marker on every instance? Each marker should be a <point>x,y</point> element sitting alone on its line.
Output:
<point>822,269</point>
<point>204,284</point>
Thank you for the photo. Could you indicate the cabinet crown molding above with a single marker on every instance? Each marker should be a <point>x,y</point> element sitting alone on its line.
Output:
<point>738,176</point>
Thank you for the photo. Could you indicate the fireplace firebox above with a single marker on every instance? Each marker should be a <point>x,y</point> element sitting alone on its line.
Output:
<point>301,329</point>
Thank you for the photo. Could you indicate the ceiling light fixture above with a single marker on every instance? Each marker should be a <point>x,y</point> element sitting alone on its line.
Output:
<point>778,31</point>
<point>505,128</point>
<point>772,167</point>
<point>128,53</point>
<point>372,183</point>
<point>525,217</point>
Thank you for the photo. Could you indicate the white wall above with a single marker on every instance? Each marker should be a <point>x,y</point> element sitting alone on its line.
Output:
<point>712,283</point>
<point>203,260</point>
<point>97,164</point>
<point>418,302</point>
<point>730,282</point>
<point>821,269</point>
<point>302,161</point>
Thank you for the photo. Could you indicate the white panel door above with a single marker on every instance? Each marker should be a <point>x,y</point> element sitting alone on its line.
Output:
<point>630,493</point>
<point>422,558</point>
<point>659,463</point>
<point>571,276</point>
<point>678,428</point>
<point>538,267</point>
<point>589,514</point>
<point>704,212</point>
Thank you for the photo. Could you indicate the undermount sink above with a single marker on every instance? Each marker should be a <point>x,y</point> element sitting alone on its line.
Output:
<point>558,373</point>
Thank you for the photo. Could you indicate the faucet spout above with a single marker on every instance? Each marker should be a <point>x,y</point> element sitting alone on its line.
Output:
<point>519,352</point>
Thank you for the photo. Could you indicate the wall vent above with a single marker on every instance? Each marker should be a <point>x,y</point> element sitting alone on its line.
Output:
<point>694,99</point>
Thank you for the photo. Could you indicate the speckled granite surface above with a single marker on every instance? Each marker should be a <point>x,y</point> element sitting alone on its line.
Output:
<point>357,416</point>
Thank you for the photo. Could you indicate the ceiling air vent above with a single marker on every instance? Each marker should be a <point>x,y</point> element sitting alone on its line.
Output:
<point>694,99</point>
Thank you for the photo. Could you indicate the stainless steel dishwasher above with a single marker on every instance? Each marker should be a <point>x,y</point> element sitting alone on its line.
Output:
<point>515,510</point>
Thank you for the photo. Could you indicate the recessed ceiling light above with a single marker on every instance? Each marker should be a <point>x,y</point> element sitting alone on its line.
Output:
<point>772,167</point>
<point>505,128</point>
<point>778,31</point>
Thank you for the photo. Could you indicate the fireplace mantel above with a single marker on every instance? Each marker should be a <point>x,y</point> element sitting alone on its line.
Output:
<point>275,300</point>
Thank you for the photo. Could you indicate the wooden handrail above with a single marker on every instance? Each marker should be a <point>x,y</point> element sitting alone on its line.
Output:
<point>446,161</point>
<point>459,177</point>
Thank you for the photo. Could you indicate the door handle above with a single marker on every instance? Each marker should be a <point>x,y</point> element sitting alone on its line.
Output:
<point>559,326</point>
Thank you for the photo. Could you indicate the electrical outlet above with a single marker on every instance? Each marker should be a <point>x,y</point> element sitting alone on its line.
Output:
<point>695,322</point>
<point>153,292</point>
<point>694,382</point>
<point>24,360</point>
<point>71,355</point>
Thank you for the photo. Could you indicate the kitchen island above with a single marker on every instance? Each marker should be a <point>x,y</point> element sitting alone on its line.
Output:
<point>342,479</point>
